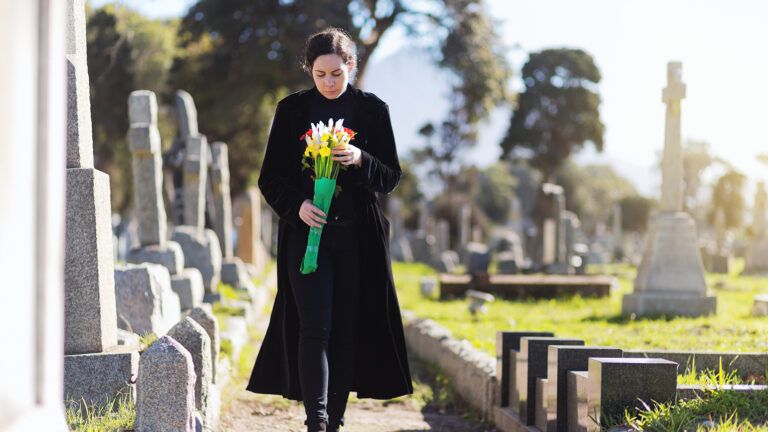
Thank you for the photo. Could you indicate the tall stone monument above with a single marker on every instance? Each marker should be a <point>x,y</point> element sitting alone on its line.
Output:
<point>670,279</point>
<point>154,246</point>
<point>32,162</point>
<point>95,368</point>
<point>757,254</point>
<point>233,270</point>
<point>200,245</point>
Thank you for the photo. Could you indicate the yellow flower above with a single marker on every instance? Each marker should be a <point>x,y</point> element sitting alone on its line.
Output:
<point>325,151</point>
<point>306,151</point>
<point>313,149</point>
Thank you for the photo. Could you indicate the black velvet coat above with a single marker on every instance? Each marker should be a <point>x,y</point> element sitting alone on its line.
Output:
<point>381,370</point>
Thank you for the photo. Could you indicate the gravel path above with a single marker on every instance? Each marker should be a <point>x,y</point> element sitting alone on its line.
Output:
<point>432,407</point>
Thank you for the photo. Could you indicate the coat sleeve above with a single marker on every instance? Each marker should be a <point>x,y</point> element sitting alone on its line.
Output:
<point>380,170</point>
<point>275,181</point>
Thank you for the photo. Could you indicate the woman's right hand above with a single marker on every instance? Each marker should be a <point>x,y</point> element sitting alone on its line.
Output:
<point>311,215</point>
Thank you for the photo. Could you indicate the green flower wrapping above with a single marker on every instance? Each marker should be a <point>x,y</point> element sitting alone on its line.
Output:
<point>321,139</point>
<point>324,188</point>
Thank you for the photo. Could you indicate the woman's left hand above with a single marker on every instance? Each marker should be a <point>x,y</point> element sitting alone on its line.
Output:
<point>347,155</point>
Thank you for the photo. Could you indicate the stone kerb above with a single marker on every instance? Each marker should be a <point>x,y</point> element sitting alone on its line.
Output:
<point>166,388</point>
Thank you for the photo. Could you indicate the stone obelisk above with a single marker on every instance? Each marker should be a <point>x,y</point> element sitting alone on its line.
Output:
<point>670,279</point>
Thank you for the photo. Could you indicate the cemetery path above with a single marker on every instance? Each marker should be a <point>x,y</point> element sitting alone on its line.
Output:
<point>246,411</point>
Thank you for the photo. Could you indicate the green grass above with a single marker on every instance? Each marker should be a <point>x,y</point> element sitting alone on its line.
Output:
<point>598,321</point>
<point>116,416</point>
<point>722,410</point>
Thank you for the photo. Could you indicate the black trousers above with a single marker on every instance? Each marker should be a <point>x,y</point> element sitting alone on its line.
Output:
<point>327,304</point>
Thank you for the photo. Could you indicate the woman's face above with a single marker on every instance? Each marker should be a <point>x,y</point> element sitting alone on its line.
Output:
<point>330,74</point>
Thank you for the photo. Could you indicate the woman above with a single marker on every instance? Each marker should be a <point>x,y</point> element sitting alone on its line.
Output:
<point>338,329</point>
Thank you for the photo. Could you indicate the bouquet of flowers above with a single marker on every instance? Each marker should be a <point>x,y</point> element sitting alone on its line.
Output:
<point>321,139</point>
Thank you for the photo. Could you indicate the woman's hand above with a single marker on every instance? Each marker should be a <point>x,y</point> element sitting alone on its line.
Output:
<point>311,215</point>
<point>347,155</point>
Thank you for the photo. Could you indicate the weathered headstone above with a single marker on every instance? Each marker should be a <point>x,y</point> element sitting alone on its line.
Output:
<point>248,220</point>
<point>233,270</point>
<point>95,369</point>
<point>200,245</point>
<point>442,236</point>
<point>617,232</point>
<point>145,298</point>
<point>166,388</point>
<point>670,279</point>
<point>211,325</point>
<point>465,219</point>
<point>195,339</point>
<point>757,253</point>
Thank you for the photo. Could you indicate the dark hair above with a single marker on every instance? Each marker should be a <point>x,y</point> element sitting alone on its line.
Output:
<point>332,40</point>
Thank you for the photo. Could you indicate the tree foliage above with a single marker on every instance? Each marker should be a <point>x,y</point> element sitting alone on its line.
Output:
<point>635,212</point>
<point>592,190</point>
<point>111,73</point>
<point>238,57</point>
<point>558,111</point>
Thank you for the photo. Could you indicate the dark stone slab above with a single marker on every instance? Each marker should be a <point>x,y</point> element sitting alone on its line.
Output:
<point>619,384</point>
<point>506,341</point>
<point>523,286</point>
<point>563,359</point>
<point>532,364</point>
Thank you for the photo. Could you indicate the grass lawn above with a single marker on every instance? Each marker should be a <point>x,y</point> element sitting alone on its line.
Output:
<point>598,321</point>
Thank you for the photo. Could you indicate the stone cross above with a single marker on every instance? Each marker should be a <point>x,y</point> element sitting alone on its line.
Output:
<point>144,140</point>
<point>222,200</point>
<point>672,168</point>
<point>758,223</point>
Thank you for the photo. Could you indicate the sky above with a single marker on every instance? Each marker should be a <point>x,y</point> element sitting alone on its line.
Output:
<point>721,46</point>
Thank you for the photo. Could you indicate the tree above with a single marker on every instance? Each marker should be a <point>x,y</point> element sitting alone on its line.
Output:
<point>592,190</point>
<point>111,72</point>
<point>495,190</point>
<point>558,111</point>
<point>239,57</point>
<point>728,197</point>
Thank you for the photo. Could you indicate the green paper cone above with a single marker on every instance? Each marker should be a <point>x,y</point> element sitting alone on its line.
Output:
<point>324,188</point>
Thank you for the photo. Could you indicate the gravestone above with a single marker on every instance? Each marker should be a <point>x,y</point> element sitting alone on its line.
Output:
<point>33,164</point>
<point>757,254</point>
<point>211,325</point>
<point>233,270</point>
<point>670,278</point>
<point>507,347</point>
<point>248,222</point>
<point>619,384</point>
<point>200,245</point>
<point>165,388</point>
<point>442,236</point>
<point>552,229</point>
<point>96,370</point>
<point>465,218</point>
<point>154,246</point>
<point>195,339</point>
<point>400,247</point>
<point>563,359</point>
<point>145,298</point>
<point>618,233</point>
<point>531,365</point>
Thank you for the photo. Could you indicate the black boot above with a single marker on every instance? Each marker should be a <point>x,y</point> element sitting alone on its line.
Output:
<point>316,426</point>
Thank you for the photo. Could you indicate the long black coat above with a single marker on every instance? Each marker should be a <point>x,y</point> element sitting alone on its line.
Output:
<point>382,370</point>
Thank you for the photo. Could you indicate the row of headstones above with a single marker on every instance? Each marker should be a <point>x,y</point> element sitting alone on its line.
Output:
<point>557,237</point>
<point>559,384</point>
